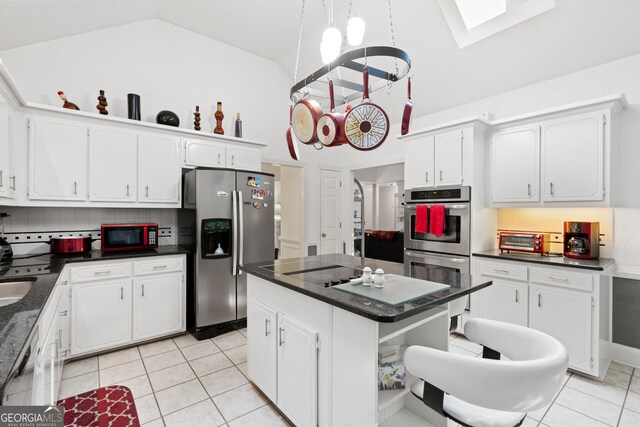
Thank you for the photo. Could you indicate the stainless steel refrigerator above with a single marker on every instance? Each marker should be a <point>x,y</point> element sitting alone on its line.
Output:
<point>227,220</point>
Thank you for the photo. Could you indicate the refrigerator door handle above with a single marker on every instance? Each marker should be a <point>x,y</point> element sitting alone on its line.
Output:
<point>241,228</point>
<point>234,242</point>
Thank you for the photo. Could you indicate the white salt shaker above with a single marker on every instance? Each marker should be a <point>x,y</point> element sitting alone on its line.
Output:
<point>366,276</point>
<point>378,280</point>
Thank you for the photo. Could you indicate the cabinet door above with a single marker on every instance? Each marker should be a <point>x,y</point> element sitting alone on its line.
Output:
<point>4,148</point>
<point>244,159</point>
<point>515,162</point>
<point>159,173</point>
<point>573,158</point>
<point>100,315</point>
<point>419,163</point>
<point>261,347</point>
<point>503,301</point>
<point>112,165</point>
<point>565,315</point>
<point>204,153</point>
<point>58,157</point>
<point>448,158</point>
<point>158,304</point>
<point>297,372</point>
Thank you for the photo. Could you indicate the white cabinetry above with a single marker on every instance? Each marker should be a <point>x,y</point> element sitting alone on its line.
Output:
<point>158,305</point>
<point>101,315</point>
<point>7,146</point>
<point>112,165</point>
<point>419,163</point>
<point>448,158</point>
<point>116,304</point>
<point>516,156</point>
<point>243,158</point>
<point>573,158</point>
<point>262,344</point>
<point>569,304</point>
<point>297,371</point>
<point>204,153</point>
<point>58,153</point>
<point>159,175</point>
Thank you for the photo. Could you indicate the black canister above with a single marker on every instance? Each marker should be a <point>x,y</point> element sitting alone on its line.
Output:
<point>133,102</point>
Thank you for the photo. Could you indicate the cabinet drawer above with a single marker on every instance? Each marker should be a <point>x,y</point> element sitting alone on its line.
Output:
<point>100,272</point>
<point>501,269</point>
<point>566,279</point>
<point>155,266</point>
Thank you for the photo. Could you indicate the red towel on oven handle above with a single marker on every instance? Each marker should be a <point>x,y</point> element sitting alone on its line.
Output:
<point>436,220</point>
<point>422,212</point>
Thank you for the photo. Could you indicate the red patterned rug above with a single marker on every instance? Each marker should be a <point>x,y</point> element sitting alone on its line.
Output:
<point>111,406</point>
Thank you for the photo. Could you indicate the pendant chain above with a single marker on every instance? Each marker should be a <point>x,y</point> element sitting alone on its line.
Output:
<point>295,70</point>
<point>393,36</point>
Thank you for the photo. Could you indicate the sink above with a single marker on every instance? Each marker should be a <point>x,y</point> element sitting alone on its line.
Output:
<point>12,292</point>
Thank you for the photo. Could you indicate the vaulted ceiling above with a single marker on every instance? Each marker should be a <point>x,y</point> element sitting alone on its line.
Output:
<point>575,35</point>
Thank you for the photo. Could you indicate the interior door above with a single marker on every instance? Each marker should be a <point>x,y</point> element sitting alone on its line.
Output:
<point>330,192</point>
<point>256,233</point>
<point>515,165</point>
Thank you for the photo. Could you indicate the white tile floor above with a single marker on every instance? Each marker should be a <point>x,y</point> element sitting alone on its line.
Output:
<point>184,382</point>
<point>180,382</point>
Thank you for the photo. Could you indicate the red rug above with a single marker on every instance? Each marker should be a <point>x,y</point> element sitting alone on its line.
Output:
<point>111,406</point>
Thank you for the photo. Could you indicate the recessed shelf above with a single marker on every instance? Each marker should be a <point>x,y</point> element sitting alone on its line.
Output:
<point>386,331</point>
<point>387,397</point>
<point>405,418</point>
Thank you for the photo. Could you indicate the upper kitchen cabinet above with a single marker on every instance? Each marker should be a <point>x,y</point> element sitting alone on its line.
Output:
<point>57,160</point>
<point>573,158</point>
<point>517,152</point>
<point>203,153</point>
<point>444,156</point>
<point>7,147</point>
<point>558,157</point>
<point>112,150</point>
<point>159,173</point>
<point>242,158</point>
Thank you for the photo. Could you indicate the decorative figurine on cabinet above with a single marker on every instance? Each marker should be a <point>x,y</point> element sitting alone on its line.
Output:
<point>238,127</point>
<point>102,103</point>
<point>196,118</point>
<point>219,115</point>
<point>168,118</point>
<point>67,104</point>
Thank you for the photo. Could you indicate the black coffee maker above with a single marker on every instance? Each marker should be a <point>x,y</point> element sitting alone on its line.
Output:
<point>581,240</point>
<point>5,248</point>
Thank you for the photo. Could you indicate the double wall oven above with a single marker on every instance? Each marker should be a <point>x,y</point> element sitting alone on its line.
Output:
<point>427,255</point>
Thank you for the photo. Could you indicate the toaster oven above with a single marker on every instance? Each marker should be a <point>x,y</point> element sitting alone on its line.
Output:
<point>537,243</point>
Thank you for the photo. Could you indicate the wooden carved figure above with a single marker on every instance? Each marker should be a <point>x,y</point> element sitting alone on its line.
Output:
<point>196,118</point>
<point>102,103</point>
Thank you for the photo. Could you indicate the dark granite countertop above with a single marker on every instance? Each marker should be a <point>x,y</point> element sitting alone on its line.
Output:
<point>460,285</point>
<point>600,264</point>
<point>17,320</point>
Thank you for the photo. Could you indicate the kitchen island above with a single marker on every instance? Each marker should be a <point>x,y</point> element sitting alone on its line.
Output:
<point>313,348</point>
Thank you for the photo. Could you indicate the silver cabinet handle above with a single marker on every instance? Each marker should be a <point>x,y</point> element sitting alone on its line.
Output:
<point>146,191</point>
<point>143,289</point>
<point>426,176</point>
<point>159,267</point>
<point>75,187</point>
<point>440,175</point>
<point>528,189</point>
<point>99,273</point>
<point>127,190</point>
<point>495,270</point>
<point>324,234</point>
<point>233,160</point>
<point>281,340</point>
<point>517,296</point>
<point>1,178</point>
<point>121,292</point>
<point>62,313</point>
<point>267,329</point>
<point>539,300</point>
<point>219,158</point>
<point>13,182</point>
<point>60,339</point>
<point>559,279</point>
<point>551,187</point>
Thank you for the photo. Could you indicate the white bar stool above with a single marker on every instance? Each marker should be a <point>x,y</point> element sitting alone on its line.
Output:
<point>488,392</point>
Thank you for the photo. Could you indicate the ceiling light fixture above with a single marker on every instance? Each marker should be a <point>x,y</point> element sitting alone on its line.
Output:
<point>331,39</point>
<point>355,31</point>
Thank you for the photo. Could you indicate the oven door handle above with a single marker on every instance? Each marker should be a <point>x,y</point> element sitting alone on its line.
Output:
<point>457,207</point>
<point>417,255</point>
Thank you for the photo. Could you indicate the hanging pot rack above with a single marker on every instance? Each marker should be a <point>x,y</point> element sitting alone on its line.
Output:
<point>349,61</point>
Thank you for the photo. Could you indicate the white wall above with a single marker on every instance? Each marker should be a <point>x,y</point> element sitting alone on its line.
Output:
<point>386,210</point>
<point>169,67</point>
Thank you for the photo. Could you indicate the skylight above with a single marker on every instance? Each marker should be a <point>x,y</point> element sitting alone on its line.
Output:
<point>473,20</point>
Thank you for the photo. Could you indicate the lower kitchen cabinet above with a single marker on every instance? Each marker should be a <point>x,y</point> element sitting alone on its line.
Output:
<point>565,315</point>
<point>503,301</point>
<point>261,326</point>
<point>101,315</point>
<point>297,371</point>
<point>158,306</point>
<point>570,304</point>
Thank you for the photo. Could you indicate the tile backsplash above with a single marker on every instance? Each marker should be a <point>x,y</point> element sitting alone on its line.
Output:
<point>552,220</point>
<point>67,220</point>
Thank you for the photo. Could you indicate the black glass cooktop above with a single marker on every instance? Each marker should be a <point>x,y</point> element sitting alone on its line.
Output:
<point>328,276</point>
